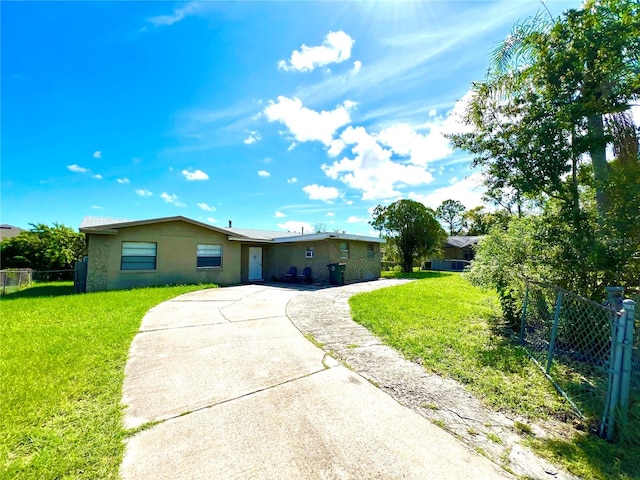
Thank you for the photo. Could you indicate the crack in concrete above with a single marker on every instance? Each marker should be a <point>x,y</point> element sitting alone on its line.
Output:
<point>154,423</point>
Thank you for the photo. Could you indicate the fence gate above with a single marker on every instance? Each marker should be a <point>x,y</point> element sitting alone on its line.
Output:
<point>80,276</point>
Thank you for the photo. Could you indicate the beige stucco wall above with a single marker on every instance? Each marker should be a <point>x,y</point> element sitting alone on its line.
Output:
<point>358,266</point>
<point>176,257</point>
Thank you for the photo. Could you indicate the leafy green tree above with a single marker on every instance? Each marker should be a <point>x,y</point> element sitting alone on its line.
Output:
<point>43,248</point>
<point>451,212</point>
<point>580,74</point>
<point>557,95</point>
<point>479,222</point>
<point>503,257</point>
<point>410,227</point>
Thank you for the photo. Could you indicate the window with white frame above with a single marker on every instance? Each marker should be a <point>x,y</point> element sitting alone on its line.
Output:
<point>209,256</point>
<point>344,249</point>
<point>138,256</point>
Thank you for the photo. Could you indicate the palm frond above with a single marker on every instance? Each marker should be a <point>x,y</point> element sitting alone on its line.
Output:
<point>518,50</point>
<point>625,136</point>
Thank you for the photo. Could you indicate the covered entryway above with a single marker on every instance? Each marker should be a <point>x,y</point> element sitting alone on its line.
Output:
<point>255,264</point>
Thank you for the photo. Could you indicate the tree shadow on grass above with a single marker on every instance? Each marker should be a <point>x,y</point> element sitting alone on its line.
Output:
<point>53,289</point>
<point>419,275</point>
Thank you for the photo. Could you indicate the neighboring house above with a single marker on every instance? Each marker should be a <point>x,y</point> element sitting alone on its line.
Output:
<point>9,231</point>
<point>457,252</point>
<point>173,250</point>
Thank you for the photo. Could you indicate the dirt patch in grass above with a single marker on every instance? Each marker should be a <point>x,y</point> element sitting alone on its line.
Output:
<point>325,315</point>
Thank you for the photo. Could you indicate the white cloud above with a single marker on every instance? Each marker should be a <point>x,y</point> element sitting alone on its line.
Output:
<point>211,220</point>
<point>635,115</point>
<point>403,140</point>
<point>178,14</point>
<point>354,219</point>
<point>433,112</point>
<point>196,175</point>
<point>206,208</point>
<point>263,173</point>
<point>336,147</point>
<point>97,207</point>
<point>97,176</point>
<point>141,192</point>
<point>372,169</point>
<point>469,191</point>
<point>292,180</point>
<point>296,227</point>
<point>77,168</point>
<point>172,199</point>
<point>331,214</point>
<point>123,180</point>
<point>318,192</point>
<point>279,215</point>
<point>252,138</point>
<point>97,154</point>
<point>336,48</point>
<point>305,124</point>
<point>357,66</point>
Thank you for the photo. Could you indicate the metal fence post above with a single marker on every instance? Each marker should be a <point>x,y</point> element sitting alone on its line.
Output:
<point>613,392</point>
<point>554,331</point>
<point>524,313</point>
<point>626,367</point>
<point>614,297</point>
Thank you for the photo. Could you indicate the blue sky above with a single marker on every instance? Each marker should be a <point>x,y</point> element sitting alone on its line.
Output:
<point>275,115</point>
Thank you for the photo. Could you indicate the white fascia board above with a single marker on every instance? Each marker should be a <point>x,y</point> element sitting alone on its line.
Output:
<point>250,240</point>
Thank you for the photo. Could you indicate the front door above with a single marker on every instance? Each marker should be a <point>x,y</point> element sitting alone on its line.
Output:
<point>255,263</point>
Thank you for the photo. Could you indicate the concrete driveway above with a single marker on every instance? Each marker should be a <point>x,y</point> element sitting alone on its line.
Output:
<point>224,386</point>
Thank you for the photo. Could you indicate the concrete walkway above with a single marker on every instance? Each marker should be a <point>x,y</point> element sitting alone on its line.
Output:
<point>235,391</point>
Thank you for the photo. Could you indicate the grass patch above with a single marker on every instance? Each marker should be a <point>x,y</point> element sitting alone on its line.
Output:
<point>62,361</point>
<point>588,456</point>
<point>453,329</point>
<point>449,326</point>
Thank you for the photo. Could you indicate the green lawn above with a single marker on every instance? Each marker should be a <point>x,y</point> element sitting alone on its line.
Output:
<point>62,361</point>
<point>452,329</point>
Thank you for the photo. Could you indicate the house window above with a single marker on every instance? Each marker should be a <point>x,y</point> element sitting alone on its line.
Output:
<point>209,256</point>
<point>138,256</point>
<point>344,249</point>
<point>310,253</point>
<point>370,251</point>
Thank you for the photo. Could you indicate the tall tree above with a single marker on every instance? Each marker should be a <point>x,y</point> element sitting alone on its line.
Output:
<point>585,68</point>
<point>43,248</point>
<point>479,222</point>
<point>411,227</point>
<point>451,212</point>
<point>557,95</point>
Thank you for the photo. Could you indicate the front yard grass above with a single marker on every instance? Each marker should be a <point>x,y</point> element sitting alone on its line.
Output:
<point>62,361</point>
<point>453,329</point>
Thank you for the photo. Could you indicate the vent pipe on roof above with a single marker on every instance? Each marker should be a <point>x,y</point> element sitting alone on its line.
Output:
<point>230,224</point>
<point>302,230</point>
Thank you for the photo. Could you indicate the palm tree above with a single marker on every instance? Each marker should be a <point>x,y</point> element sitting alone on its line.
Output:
<point>587,66</point>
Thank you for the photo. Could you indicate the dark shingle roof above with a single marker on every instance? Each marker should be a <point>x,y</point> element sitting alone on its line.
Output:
<point>9,231</point>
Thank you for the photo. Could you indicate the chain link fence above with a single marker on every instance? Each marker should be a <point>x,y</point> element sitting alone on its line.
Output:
<point>19,278</point>
<point>15,279</point>
<point>580,345</point>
